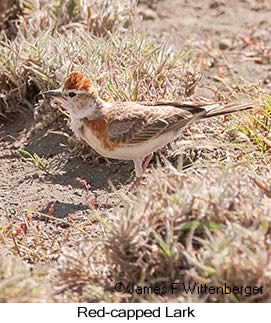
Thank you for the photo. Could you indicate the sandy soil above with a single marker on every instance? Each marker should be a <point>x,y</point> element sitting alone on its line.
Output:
<point>236,28</point>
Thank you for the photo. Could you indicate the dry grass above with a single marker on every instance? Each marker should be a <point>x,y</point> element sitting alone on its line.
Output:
<point>20,282</point>
<point>210,228</point>
<point>203,223</point>
<point>125,65</point>
<point>47,29</point>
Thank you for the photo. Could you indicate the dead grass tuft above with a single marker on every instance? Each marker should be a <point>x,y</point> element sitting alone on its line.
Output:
<point>20,283</point>
<point>11,11</point>
<point>205,221</point>
<point>28,61</point>
<point>238,256</point>
<point>80,274</point>
<point>257,127</point>
<point>212,228</point>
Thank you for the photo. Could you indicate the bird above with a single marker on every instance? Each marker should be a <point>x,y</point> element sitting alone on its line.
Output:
<point>129,130</point>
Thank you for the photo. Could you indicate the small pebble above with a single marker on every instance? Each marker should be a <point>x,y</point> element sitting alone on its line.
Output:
<point>225,44</point>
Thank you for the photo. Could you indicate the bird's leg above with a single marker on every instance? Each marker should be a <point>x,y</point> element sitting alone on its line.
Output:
<point>139,169</point>
<point>135,184</point>
<point>146,162</point>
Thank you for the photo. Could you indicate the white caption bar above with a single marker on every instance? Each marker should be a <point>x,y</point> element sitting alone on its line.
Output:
<point>134,312</point>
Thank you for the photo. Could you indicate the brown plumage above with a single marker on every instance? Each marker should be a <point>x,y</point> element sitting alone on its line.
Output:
<point>130,130</point>
<point>76,81</point>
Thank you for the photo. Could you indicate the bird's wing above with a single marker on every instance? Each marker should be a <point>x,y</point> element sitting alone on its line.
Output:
<point>135,123</point>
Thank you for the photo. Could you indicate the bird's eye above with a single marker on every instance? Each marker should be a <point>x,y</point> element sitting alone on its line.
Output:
<point>72,94</point>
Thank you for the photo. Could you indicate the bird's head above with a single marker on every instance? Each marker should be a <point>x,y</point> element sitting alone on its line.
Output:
<point>77,95</point>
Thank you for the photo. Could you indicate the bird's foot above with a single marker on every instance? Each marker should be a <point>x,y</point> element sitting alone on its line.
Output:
<point>135,185</point>
<point>146,162</point>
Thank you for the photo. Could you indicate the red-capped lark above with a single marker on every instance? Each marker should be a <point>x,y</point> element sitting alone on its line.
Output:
<point>129,130</point>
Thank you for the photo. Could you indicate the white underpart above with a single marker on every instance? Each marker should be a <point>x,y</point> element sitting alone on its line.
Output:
<point>137,152</point>
<point>138,167</point>
<point>88,113</point>
<point>75,124</point>
<point>76,119</point>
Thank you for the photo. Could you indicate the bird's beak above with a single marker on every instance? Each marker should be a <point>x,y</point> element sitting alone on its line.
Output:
<point>55,93</point>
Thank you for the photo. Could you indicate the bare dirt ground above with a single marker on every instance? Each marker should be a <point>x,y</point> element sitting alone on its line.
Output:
<point>230,41</point>
<point>234,28</point>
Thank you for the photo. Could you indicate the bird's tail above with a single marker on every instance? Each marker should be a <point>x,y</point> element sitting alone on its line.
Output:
<point>218,109</point>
